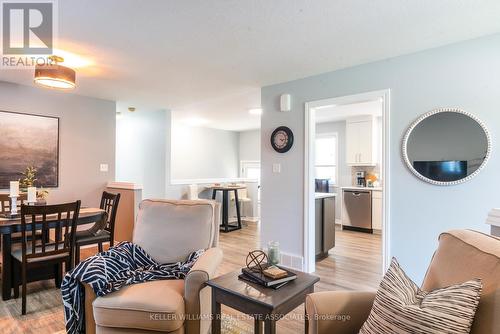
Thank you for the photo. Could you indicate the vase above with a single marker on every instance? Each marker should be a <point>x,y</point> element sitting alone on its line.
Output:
<point>273,252</point>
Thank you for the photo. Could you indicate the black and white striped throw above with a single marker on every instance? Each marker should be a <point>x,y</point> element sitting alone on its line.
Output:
<point>401,307</point>
<point>106,272</point>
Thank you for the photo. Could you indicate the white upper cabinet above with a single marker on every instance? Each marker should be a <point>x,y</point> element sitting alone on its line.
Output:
<point>352,142</point>
<point>361,141</point>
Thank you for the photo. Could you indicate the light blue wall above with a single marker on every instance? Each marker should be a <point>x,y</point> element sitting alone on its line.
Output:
<point>141,149</point>
<point>203,153</point>
<point>86,138</point>
<point>249,145</point>
<point>465,75</point>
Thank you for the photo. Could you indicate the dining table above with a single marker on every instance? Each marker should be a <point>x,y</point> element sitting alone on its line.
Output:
<point>10,225</point>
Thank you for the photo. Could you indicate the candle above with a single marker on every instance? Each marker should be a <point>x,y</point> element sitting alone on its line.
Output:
<point>273,252</point>
<point>31,194</point>
<point>14,188</point>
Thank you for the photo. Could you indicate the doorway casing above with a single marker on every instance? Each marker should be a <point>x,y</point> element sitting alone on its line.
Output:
<point>309,147</point>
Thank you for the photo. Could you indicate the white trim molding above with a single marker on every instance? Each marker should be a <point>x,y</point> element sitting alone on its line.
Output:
<point>210,181</point>
<point>438,111</point>
<point>124,185</point>
<point>309,135</point>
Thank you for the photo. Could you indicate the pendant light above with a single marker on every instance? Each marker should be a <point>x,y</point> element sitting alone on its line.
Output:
<point>55,75</point>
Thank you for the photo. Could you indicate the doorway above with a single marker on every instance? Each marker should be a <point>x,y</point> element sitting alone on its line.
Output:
<point>350,157</point>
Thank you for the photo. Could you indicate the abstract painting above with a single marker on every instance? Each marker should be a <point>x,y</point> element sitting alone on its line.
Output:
<point>29,140</point>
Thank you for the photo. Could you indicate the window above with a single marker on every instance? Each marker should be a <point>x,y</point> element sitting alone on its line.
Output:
<point>326,157</point>
<point>251,170</point>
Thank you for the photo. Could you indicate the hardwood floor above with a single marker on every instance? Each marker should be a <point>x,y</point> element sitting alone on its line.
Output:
<point>354,264</point>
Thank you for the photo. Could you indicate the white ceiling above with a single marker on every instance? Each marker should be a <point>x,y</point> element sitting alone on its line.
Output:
<point>208,59</point>
<point>341,113</point>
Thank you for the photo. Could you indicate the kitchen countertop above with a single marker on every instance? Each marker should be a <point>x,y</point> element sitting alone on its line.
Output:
<point>363,188</point>
<point>324,195</point>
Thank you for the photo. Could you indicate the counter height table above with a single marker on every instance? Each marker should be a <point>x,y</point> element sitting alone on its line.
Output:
<point>13,225</point>
<point>225,226</point>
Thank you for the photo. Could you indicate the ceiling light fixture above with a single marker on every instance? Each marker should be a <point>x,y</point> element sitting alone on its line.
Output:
<point>54,75</point>
<point>255,111</point>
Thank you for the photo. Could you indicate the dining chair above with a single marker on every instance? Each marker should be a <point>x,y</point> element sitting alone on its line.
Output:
<point>5,209</point>
<point>60,222</point>
<point>99,234</point>
<point>5,202</point>
<point>242,199</point>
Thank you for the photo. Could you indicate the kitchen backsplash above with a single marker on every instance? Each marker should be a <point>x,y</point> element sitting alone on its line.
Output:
<point>367,169</point>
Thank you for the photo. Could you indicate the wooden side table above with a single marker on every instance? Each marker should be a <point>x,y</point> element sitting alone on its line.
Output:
<point>265,305</point>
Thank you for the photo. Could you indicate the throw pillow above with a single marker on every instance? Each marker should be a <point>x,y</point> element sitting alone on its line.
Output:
<point>401,307</point>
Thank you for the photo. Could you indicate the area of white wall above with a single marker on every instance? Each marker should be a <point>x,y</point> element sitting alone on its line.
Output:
<point>459,75</point>
<point>344,171</point>
<point>249,145</point>
<point>86,138</point>
<point>203,153</point>
<point>141,149</point>
<point>345,175</point>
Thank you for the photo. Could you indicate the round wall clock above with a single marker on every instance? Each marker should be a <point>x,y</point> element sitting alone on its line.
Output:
<point>282,139</point>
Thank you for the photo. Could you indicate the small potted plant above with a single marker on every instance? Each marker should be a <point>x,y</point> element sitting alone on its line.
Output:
<point>41,196</point>
<point>28,179</point>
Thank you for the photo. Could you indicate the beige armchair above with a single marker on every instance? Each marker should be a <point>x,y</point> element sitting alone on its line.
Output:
<point>462,255</point>
<point>168,230</point>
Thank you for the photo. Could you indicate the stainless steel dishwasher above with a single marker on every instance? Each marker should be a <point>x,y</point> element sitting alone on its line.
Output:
<point>358,210</point>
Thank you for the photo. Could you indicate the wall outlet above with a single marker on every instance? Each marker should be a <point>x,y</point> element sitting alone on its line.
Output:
<point>276,168</point>
<point>104,168</point>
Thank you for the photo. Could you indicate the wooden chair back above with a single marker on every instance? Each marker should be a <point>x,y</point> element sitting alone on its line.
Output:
<point>109,203</point>
<point>242,194</point>
<point>60,218</point>
<point>5,202</point>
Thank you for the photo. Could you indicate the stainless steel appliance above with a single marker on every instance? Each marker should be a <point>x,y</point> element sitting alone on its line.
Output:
<point>360,179</point>
<point>358,210</point>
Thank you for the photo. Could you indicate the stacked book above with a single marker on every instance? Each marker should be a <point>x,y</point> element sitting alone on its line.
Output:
<point>271,276</point>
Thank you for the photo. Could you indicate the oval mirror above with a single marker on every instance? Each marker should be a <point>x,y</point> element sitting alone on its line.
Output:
<point>446,146</point>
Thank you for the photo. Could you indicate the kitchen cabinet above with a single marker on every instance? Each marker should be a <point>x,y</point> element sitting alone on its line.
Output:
<point>361,141</point>
<point>325,224</point>
<point>377,210</point>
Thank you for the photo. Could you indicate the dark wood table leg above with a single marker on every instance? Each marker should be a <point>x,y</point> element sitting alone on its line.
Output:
<point>237,203</point>
<point>257,327</point>
<point>216,314</point>
<point>225,211</point>
<point>269,326</point>
<point>6,266</point>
